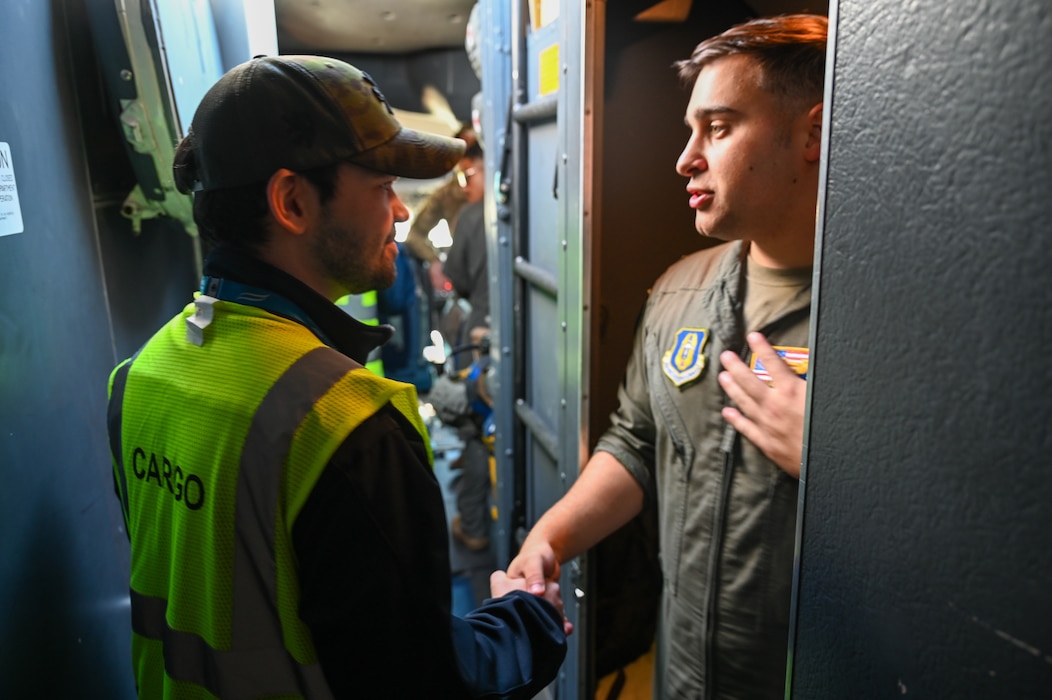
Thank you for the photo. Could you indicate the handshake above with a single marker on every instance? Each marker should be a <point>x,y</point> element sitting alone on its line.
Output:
<point>500,584</point>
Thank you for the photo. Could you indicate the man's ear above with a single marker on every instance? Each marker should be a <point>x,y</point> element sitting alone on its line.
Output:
<point>813,145</point>
<point>291,200</point>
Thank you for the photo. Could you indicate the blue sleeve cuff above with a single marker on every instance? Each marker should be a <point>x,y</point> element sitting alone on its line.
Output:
<point>509,647</point>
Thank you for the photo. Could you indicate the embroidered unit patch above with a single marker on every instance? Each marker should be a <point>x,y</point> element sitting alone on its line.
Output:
<point>685,361</point>
<point>796,358</point>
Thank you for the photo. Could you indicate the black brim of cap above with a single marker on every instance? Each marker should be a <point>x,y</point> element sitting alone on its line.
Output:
<point>413,154</point>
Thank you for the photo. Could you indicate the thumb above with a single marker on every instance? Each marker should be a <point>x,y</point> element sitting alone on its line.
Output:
<point>543,570</point>
<point>534,575</point>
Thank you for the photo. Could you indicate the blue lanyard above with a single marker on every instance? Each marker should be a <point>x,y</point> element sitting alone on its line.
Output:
<point>227,290</point>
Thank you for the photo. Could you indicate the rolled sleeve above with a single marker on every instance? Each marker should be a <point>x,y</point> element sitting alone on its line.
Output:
<point>631,435</point>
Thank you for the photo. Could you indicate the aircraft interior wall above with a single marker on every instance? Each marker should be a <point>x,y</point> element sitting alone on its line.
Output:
<point>78,291</point>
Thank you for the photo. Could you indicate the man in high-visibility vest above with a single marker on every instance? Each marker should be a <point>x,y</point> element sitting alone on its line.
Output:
<point>288,537</point>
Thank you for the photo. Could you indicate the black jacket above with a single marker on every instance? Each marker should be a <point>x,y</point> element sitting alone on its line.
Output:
<point>373,553</point>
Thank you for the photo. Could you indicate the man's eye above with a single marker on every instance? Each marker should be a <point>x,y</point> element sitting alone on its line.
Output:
<point>717,128</point>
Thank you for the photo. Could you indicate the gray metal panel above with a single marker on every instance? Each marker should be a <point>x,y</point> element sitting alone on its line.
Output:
<point>542,360</point>
<point>546,486</point>
<point>543,236</point>
<point>547,159</point>
<point>495,38</point>
<point>924,562</point>
<point>572,162</point>
<point>544,320</point>
<point>65,627</point>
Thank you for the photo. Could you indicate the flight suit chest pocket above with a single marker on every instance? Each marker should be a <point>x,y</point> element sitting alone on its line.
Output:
<point>664,402</point>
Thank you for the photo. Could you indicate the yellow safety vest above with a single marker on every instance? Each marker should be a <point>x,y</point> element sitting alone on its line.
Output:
<point>216,448</point>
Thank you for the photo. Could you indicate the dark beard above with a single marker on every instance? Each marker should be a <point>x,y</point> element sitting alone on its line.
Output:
<point>344,260</point>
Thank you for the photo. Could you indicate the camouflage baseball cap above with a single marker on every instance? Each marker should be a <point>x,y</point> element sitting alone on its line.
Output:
<point>303,112</point>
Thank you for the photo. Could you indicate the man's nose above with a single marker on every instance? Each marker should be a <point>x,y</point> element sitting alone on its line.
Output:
<point>401,211</point>
<point>691,160</point>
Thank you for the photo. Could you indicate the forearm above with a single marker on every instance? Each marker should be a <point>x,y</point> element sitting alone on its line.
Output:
<point>604,497</point>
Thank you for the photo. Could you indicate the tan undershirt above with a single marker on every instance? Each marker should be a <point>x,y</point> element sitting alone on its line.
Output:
<point>768,291</point>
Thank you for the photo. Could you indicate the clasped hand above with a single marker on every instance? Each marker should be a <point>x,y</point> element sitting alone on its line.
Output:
<point>535,574</point>
<point>771,416</point>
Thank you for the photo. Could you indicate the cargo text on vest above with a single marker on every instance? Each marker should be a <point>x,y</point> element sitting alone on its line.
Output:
<point>170,477</point>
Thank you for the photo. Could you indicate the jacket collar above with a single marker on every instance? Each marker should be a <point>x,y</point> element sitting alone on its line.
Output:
<point>349,336</point>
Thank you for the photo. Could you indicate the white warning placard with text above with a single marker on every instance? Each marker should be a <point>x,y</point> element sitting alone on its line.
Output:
<point>10,211</point>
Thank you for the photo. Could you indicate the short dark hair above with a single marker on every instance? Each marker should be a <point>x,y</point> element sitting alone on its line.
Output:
<point>235,217</point>
<point>473,152</point>
<point>466,133</point>
<point>789,49</point>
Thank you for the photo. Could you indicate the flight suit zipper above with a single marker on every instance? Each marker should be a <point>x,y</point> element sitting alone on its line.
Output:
<point>727,449</point>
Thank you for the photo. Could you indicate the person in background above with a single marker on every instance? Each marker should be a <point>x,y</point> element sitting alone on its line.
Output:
<point>404,307</point>
<point>445,202</point>
<point>718,453</point>
<point>467,268</point>
<point>287,531</point>
<point>467,261</point>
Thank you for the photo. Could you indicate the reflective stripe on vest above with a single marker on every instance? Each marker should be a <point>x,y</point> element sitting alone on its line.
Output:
<point>113,421</point>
